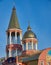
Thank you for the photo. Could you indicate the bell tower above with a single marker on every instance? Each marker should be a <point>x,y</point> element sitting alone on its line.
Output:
<point>14,36</point>
<point>29,40</point>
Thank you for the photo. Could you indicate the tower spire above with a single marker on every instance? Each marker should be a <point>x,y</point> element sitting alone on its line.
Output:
<point>14,20</point>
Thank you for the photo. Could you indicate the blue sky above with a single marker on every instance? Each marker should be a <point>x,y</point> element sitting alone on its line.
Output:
<point>38,12</point>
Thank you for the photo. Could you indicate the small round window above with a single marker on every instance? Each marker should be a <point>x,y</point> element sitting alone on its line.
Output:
<point>49,52</point>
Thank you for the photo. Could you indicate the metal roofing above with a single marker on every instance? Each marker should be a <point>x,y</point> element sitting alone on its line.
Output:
<point>29,33</point>
<point>14,20</point>
<point>30,58</point>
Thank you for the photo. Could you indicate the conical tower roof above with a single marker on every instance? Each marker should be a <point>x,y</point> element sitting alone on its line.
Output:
<point>14,20</point>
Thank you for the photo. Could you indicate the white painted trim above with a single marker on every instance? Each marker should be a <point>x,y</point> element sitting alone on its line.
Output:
<point>21,38</point>
<point>26,46</point>
<point>36,46</point>
<point>32,46</point>
<point>15,29</point>
<point>16,53</point>
<point>10,37</point>
<point>10,53</point>
<point>16,37</point>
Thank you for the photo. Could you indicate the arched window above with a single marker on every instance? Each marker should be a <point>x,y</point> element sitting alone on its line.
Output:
<point>19,52</point>
<point>29,46</point>
<point>13,53</point>
<point>13,38</point>
<point>18,38</point>
<point>8,38</point>
<point>42,63</point>
<point>7,53</point>
<point>33,46</point>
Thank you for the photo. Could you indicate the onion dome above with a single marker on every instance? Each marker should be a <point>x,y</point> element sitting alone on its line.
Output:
<point>29,33</point>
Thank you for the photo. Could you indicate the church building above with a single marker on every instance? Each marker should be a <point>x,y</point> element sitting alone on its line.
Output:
<point>23,49</point>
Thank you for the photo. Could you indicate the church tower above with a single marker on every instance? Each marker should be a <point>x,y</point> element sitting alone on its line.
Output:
<point>14,36</point>
<point>29,40</point>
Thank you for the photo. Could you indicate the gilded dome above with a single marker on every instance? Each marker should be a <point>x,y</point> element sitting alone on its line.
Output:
<point>29,33</point>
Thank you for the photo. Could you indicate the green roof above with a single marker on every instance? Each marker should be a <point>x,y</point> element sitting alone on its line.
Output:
<point>30,58</point>
<point>35,57</point>
<point>14,20</point>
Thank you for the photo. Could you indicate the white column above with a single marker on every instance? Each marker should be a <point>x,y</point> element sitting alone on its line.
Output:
<point>10,53</point>
<point>32,45</point>
<point>6,55</point>
<point>23,46</point>
<point>16,37</point>
<point>26,46</point>
<point>21,38</point>
<point>16,53</point>
<point>10,37</point>
<point>36,46</point>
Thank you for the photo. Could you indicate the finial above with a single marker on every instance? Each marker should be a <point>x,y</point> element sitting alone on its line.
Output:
<point>28,23</point>
<point>14,5</point>
<point>28,28</point>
